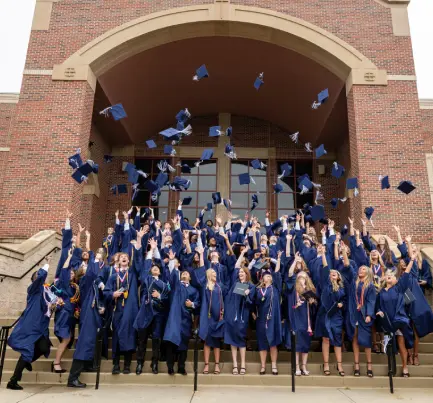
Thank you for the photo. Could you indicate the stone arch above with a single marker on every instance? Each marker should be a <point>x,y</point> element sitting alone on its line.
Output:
<point>219,19</point>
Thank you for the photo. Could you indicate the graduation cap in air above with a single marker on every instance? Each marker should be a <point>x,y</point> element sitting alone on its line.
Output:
<point>322,97</point>
<point>344,230</point>
<point>229,131</point>
<point>306,208</point>
<point>337,170</point>
<point>133,176</point>
<point>176,134</point>
<point>180,184</point>
<point>229,151</point>
<point>215,131</point>
<point>116,111</point>
<point>245,179</point>
<point>119,189</point>
<point>278,188</point>
<point>184,168</point>
<point>305,185</point>
<point>206,155</point>
<point>255,201</point>
<point>183,115</point>
<point>259,81</point>
<point>334,202</point>
<point>162,179</point>
<point>108,158</point>
<point>135,191</point>
<point>128,167</point>
<point>164,166</point>
<point>152,186</point>
<point>368,211</point>
<point>79,177</point>
<point>209,206</point>
<point>151,144</point>
<point>227,204</point>
<point>352,183</point>
<point>320,151</point>
<point>384,182</point>
<point>299,179</point>
<point>406,187</point>
<point>257,164</point>
<point>286,170</point>
<point>169,150</point>
<point>317,212</point>
<point>75,161</point>
<point>186,201</point>
<point>88,167</point>
<point>200,73</point>
<point>147,211</point>
<point>216,197</point>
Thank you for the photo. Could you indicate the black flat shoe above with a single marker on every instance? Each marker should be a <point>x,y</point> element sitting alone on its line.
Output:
<point>57,371</point>
<point>171,371</point>
<point>29,367</point>
<point>182,371</point>
<point>76,384</point>
<point>13,385</point>
<point>126,370</point>
<point>139,368</point>
<point>116,370</point>
<point>154,368</point>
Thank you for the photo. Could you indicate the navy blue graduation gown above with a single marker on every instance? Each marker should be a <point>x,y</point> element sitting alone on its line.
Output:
<point>125,309</point>
<point>355,317</point>
<point>371,245</point>
<point>90,320</point>
<point>151,309</point>
<point>237,312</point>
<point>357,253</point>
<point>64,320</point>
<point>268,322</point>
<point>179,321</point>
<point>330,318</point>
<point>419,310</point>
<point>66,245</point>
<point>33,323</point>
<point>211,308</point>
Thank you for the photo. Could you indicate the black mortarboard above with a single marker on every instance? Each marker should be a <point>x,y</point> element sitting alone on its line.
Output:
<point>317,212</point>
<point>384,182</point>
<point>344,230</point>
<point>229,151</point>
<point>79,176</point>
<point>216,197</point>
<point>209,206</point>
<point>132,176</point>
<point>323,96</point>
<point>186,201</point>
<point>244,179</point>
<point>180,184</point>
<point>406,187</point>
<point>337,170</point>
<point>75,161</point>
<point>185,168</point>
<point>334,202</point>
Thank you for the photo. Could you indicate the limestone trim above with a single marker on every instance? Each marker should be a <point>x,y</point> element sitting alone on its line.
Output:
<point>426,103</point>
<point>218,19</point>
<point>401,77</point>
<point>9,97</point>
<point>366,77</point>
<point>5,149</point>
<point>393,3</point>
<point>429,161</point>
<point>77,72</point>
<point>28,72</point>
<point>42,15</point>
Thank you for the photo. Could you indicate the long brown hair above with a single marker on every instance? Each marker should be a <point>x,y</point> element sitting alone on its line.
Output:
<point>309,286</point>
<point>336,284</point>
<point>247,273</point>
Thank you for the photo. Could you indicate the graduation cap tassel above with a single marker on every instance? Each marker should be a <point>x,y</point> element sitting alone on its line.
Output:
<point>295,137</point>
<point>252,180</point>
<point>281,176</point>
<point>315,105</point>
<point>316,185</point>
<point>106,112</point>
<point>263,165</point>
<point>143,174</point>
<point>195,77</point>
<point>308,147</point>
<point>187,131</point>
<point>355,192</point>
<point>304,190</point>
<point>170,168</point>
<point>343,200</point>
<point>335,165</point>
<point>197,164</point>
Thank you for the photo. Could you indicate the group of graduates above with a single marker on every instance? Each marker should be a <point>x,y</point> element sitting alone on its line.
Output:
<point>166,280</point>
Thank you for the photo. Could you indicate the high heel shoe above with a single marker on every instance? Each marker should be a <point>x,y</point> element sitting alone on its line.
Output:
<point>369,371</point>
<point>341,373</point>
<point>356,372</point>
<point>304,371</point>
<point>327,372</point>
<point>57,371</point>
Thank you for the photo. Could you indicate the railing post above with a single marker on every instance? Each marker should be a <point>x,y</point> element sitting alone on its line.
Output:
<point>293,358</point>
<point>4,334</point>
<point>391,361</point>
<point>98,356</point>
<point>195,360</point>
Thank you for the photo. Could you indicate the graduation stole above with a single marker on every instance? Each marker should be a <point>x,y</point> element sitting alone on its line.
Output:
<point>76,296</point>
<point>359,302</point>
<point>126,292</point>
<point>221,301</point>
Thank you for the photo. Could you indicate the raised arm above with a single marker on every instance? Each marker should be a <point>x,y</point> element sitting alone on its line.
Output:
<point>288,244</point>
<point>80,231</point>
<point>351,227</point>
<point>88,241</point>
<point>398,233</point>
<point>228,245</point>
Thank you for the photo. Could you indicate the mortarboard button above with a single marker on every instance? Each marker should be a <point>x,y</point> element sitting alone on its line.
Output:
<point>116,111</point>
<point>385,183</point>
<point>259,81</point>
<point>337,170</point>
<point>320,151</point>
<point>151,144</point>
<point>200,73</point>
<point>122,189</point>
<point>244,179</point>
<point>352,183</point>
<point>317,212</point>
<point>278,188</point>
<point>216,197</point>
<point>186,201</point>
<point>406,187</point>
<point>369,212</point>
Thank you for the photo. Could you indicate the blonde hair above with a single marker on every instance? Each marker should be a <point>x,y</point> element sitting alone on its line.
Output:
<point>262,282</point>
<point>368,279</point>
<point>336,284</point>
<point>309,286</point>
<point>304,267</point>
<point>210,285</point>
<point>383,279</point>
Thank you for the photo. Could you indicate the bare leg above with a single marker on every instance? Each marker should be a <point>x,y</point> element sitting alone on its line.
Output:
<point>242,351</point>
<point>339,357</point>
<point>415,349</point>
<point>369,362</point>
<point>355,346</point>
<point>217,353</point>
<point>274,357</point>
<point>60,351</point>
<point>298,370</point>
<point>263,356</point>
<point>206,352</point>
<point>325,353</point>
<point>235,359</point>
<point>403,354</point>
<point>304,363</point>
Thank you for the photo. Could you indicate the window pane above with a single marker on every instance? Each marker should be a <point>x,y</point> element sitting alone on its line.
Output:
<point>286,201</point>
<point>208,168</point>
<point>239,200</point>
<point>204,198</point>
<point>260,184</point>
<point>234,185</point>
<point>287,183</point>
<point>161,214</point>
<point>207,183</point>
<point>304,167</point>
<point>239,213</point>
<point>142,199</point>
<point>144,165</point>
<point>305,198</point>
<point>262,200</point>
<point>239,167</point>
<point>288,212</point>
<point>261,215</point>
<point>258,172</point>
<point>193,195</point>
<point>191,214</point>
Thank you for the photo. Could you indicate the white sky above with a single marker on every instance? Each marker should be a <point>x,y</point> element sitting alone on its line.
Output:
<point>16,18</point>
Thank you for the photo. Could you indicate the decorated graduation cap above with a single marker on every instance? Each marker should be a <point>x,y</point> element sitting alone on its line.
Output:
<point>320,151</point>
<point>286,170</point>
<point>257,164</point>
<point>200,73</point>
<point>406,187</point>
<point>229,151</point>
<point>384,182</point>
<point>322,97</point>
<point>259,81</point>
<point>186,201</point>
<point>116,111</point>
<point>254,201</point>
<point>169,150</point>
<point>151,144</point>
<point>180,184</point>
<point>183,115</point>
<point>337,170</point>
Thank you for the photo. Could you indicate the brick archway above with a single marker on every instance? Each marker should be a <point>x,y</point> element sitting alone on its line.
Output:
<point>220,19</point>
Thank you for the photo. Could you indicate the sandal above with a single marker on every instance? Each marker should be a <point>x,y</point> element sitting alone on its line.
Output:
<point>341,373</point>
<point>409,359</point>
<point>217,372</point>
<point>243,371</point>
<point>235,371</point>
<point>369,371</point>
<point>327,372</point>
<point>274,371</point>
<point>262,371</point>
<point>304,371</point>
<point>298,372</point>
<point>206,364</point>
<point>405,375</point>
<point>416,360</point>
<point>356,372</point>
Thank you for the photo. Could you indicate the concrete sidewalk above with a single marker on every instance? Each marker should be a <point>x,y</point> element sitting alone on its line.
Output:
<point>209,394</point>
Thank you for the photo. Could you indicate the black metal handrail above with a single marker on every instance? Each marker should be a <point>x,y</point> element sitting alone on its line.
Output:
<point>4,335</point>
<point>3,276</point>
<point>196,360</point>
<point>293,358</point>
<point>392,365</point>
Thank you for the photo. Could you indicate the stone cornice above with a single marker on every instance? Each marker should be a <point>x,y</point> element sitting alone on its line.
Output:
<point>9,98</point>
<point>426,103</point>
<point>393,3</point>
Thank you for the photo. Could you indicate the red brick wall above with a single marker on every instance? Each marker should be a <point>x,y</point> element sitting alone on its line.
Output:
<point>427,128</point>
<point>7,115</point>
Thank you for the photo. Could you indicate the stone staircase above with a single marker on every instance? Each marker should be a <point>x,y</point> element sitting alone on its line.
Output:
<point>421,376</point>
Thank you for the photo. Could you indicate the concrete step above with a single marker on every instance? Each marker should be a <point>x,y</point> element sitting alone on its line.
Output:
<point>228,379</point>
<point>284,368</point>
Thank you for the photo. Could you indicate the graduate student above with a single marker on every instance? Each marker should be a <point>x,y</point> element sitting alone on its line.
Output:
<point>239,302</point>
<point>30,336</point>
<point>268,316</point>
<point>212,294</point>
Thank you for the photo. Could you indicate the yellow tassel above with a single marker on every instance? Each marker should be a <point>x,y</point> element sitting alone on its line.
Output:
<point>125,294</point>
<point>123,302</point>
